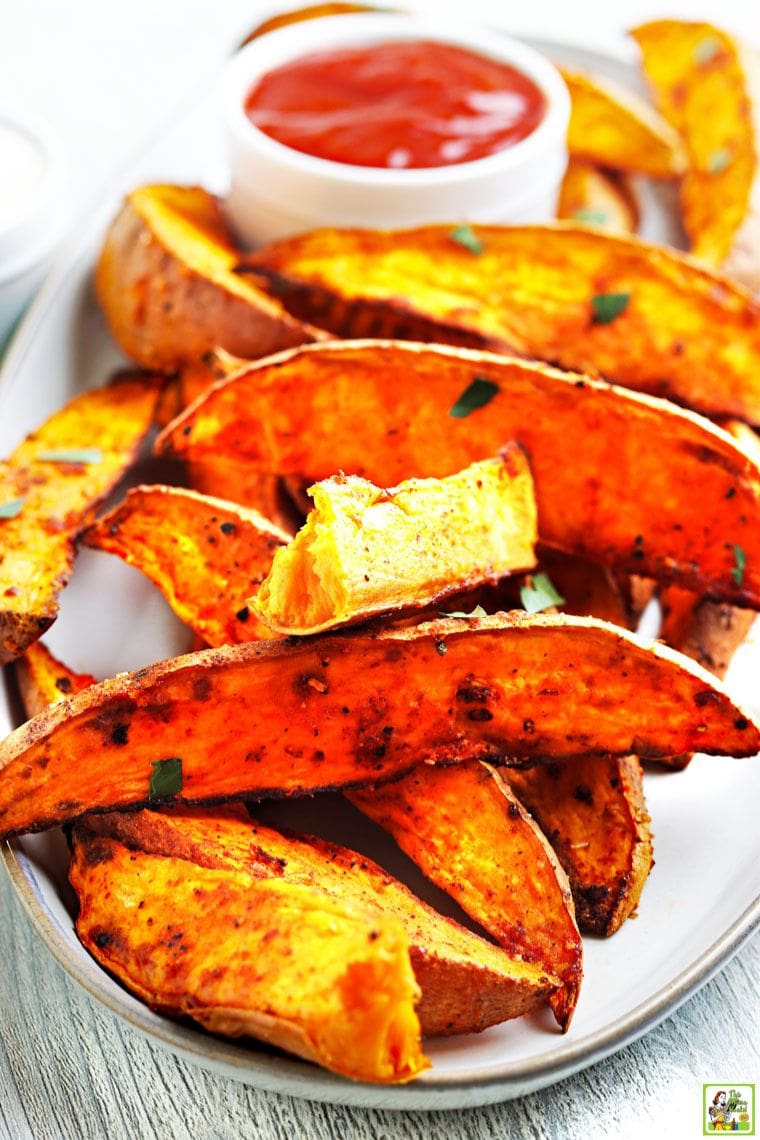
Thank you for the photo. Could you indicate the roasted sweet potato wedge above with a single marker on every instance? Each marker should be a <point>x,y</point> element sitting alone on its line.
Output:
<point>311,12</point>
<point>365,551</point>
<point>610,126</point>
<point>466,831</point>
<point>49,489</point>
<point>270,959</point>
<point>207,556</point>
<point>166,282</point>
<point>706,631</point>
<point>641,315</point>
<point>657,492</point>
<point>467,983</point>
<point>43,679</point>
<point>705,84</point>
<point>597,197</point>
<point>285,718</point>
<point>595,818</point>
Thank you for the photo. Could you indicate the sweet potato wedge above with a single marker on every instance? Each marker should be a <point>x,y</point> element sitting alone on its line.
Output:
<point>311,12</point>
<point>597,197</point>
<point>638,314</point>
<point>595,818</point>
<point>466,831</point>
<point>207,556</point>
<point>706,84</point>
<point>658,492</point>
<point>284,718</point>
<point>166,282</point>
<point>610,126</point>
<point>706,631</point>
<point>466,983</point>
<point>43,679</point>
<point>365,551</point>
<point>49,489</point>
<point>278,961</point>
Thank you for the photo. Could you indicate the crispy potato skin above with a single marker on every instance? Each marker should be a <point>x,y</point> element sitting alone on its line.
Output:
<point>466,831</point>
<point>207,556</point>
<point>43,679</point>
<point>165,280</point>
<point>708,86</point>
<point>597,197</point>
<point>281,962</point>
<point>593,814</point>
<point>59,499</point>
<point>610,126</point>
<point>365,550</point>
<point>687,333</point>
<point>631,503</point>
<point>295,716</point>
<point>467,983</point>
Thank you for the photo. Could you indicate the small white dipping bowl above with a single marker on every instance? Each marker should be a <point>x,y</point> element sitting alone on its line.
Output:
<point>276,191</point>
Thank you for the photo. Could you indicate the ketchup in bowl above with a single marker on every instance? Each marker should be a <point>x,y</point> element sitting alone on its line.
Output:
<point>408,104</point>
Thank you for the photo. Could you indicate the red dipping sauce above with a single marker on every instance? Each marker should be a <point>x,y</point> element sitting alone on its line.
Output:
<point>402,105</point>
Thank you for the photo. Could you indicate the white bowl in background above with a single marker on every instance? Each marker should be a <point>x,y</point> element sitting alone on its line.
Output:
<point>277,191</point>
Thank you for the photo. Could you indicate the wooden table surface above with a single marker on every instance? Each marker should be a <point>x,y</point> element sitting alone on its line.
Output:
<point>70,1069</point>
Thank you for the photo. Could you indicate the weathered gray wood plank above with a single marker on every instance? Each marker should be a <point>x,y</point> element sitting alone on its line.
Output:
<point>71,1071</point>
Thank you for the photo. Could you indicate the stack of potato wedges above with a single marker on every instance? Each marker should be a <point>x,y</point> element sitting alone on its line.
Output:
<point>429,492</point>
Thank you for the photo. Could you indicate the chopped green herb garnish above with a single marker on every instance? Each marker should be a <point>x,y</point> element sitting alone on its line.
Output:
<point>740,558</point>
<point>466,237</point>
<point>477,612</point>
<point>706,50</point>
<point>540,594</point>
<point>73,455</point>
<point>595,217</point>
<point>475,395</point>
<point>10,509</point>
<point>166,777</point>
<point>719,160</point>
<point>608,306</point>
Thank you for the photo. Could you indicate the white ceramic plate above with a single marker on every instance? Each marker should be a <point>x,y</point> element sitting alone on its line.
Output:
<point>698,907</point>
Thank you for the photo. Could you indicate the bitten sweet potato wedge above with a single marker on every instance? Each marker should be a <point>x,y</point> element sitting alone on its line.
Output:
<point>466,831</point>
<point>49,489</point>
<point>593,814</point>
<point>597,197</point>
<point>284,718</point>
<point>706,85</point>
<point>365,551</point>
<point>278,961</point>
<point>207,556</point>
<point>638,314</point>
<point>610,126</point>
<point>43,679</point>
<point>466,983</point>
<point>620,478</point>
<point>165,280</point>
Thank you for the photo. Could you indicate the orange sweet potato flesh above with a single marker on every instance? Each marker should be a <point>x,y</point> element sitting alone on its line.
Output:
<point>43,679</point>
<point>595,818</point>
<point>58,496</point>
<point>610,126</point>
<point>282,962</point>
<point>285,718</point>
<point>467,983</point>
<point>621,479</point>
<point>165,280</point>
<point>365,550</point>
<point>686,333</point>
<point>207,556</point>
<point>466,831</point>
<point>706,84</point>
<point>597,197</point>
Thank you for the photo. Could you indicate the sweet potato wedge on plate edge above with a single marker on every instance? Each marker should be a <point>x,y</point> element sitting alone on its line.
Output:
<point>295,716</point>
<point>622,478</point>
<point>640,315</point>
